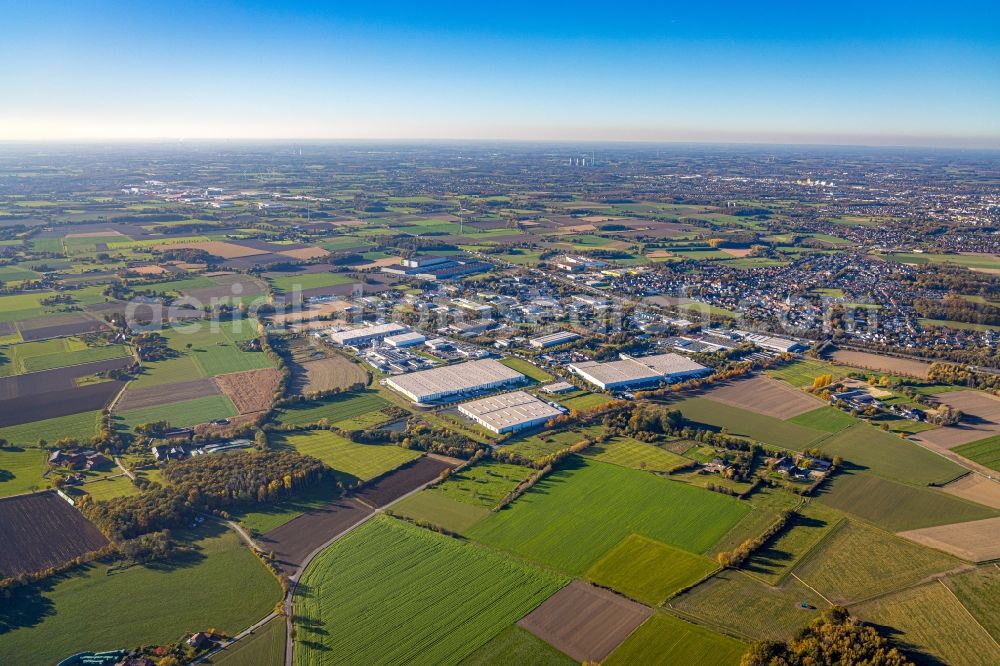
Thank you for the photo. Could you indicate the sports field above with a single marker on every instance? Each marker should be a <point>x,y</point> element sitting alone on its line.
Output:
<point>665,639</point>
<point>895,506</point>
<point>390,593</point>
<point>221,585</point>
<point>647,570</point>
<point>362,461</point>
<point>577,514</point>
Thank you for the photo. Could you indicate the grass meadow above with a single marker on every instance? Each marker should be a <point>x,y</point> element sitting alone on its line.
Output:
<point>347,410</point>
<point>363,461</point>
<point>21,470</point>
<point>515,646</point>
<point>628,452</point>
<point>665,639</point>
<point>82,425</point>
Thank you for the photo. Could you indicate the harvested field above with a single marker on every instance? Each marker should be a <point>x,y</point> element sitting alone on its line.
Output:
<point>326,374</point>
<point>764,395</point>
<point>584,621</point>
<point>164,394</point>
<point>38,383</point>
<point>981,420</point>
<point>737,251</point>
<point>880,363</point>
<point>63,402</point>
<point>312,312</point>
<point>217,248</point>
<point>976,488</point>
<point>59,326</point>
<point>43,530</point>
<point>148,270</point>
<point>305,253</point>
<point>292,542</point>
<point>396,484</point>
<point>251,391</point>
<point>975,541</point>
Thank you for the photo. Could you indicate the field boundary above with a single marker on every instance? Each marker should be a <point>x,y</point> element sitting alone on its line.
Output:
<point>967,612</point>
<point>801,558</point>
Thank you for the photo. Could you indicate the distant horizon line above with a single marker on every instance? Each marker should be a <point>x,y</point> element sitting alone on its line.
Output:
<point>990,144</point>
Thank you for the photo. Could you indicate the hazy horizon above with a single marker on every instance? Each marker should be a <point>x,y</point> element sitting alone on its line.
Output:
<point>908,75</point>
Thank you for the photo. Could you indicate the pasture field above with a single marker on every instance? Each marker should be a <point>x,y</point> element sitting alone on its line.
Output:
<point>858,562</point>
<point>576,514</point>
<point>975,540</point>
<point>801,373</point>
<point>265,648</point>
<point>735,602</point>
<point>748,424</point>
<point>985,452</point>
<point>220,585</point>
<point>889,456</point>
<point>527,369</point>
<point>584,401</point>
<point>251,391</point>
<point>286,283</point>
<point>978,591</point>
<point>362,461</point>
<point>665,639</point>
<point>932,625</point>
<point>264,518</point>
<point>515,646</point>
<point>440,509</point>
<point>767,505</point>
<point>781,554</point>
<point>348,410</point>
<point>546,443</point>
<point>628,452</point>
<point>647,570</point>
<point>78,426</point>
<point>21,470</point>
<point>896,506</point>
<point>827,419</point>
<point>390,593</point>
<point>108,487</point>
<point>483,484</point>
<point>183,414</point>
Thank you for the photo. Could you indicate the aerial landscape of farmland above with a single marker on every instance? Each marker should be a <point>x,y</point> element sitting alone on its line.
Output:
<point>388,334</point>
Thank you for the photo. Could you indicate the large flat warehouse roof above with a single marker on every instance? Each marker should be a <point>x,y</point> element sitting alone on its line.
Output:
<point>453,379</point>
<point>630,370</point>
<point>508,411</point>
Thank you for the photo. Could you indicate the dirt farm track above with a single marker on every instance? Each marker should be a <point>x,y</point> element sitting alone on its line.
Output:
<point>42,530</point>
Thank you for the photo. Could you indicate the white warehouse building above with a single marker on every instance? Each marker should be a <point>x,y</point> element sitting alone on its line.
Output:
<point>365,334</point>
<point>452,382</point>
<point>508,412</point>
<point>630,371</point>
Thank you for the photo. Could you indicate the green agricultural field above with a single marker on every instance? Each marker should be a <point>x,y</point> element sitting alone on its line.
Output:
<point>896,506</point>
<point>985,452</point>
<point>263,518</point>
<point>22,306</point>
<point>665,639</point>
<point>967,260</point>
<point>287,283</point>
<point>856,562</point>
<point>647,570</point>
<point>767,504</point>
<point>801,373</point>
<point>266,647</point>
<point>483,484</point>
<point>107,487</point>
<point>515,646</point>
<point>528,369</point>
<point>390,593</point>
<point>21,470</point>
<point>827,419</point>
<point>978,591</point>
<point>734,602</point>
<point>628,452</point>
<point>58,353</point>
<point>781,554</point>
<point>578,513</point>
<point>183,414</point>
<point>220,585</point>
<point>584,401</point>
<point>886,455</point>
<point>748,424</point>
<point>77,426</point>
<point>347,410</point>
<point>441,510</point>
<point>361,461</point>
<point>931,624</point>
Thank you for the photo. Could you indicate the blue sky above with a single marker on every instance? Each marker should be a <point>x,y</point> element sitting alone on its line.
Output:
<point>877,73</point>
